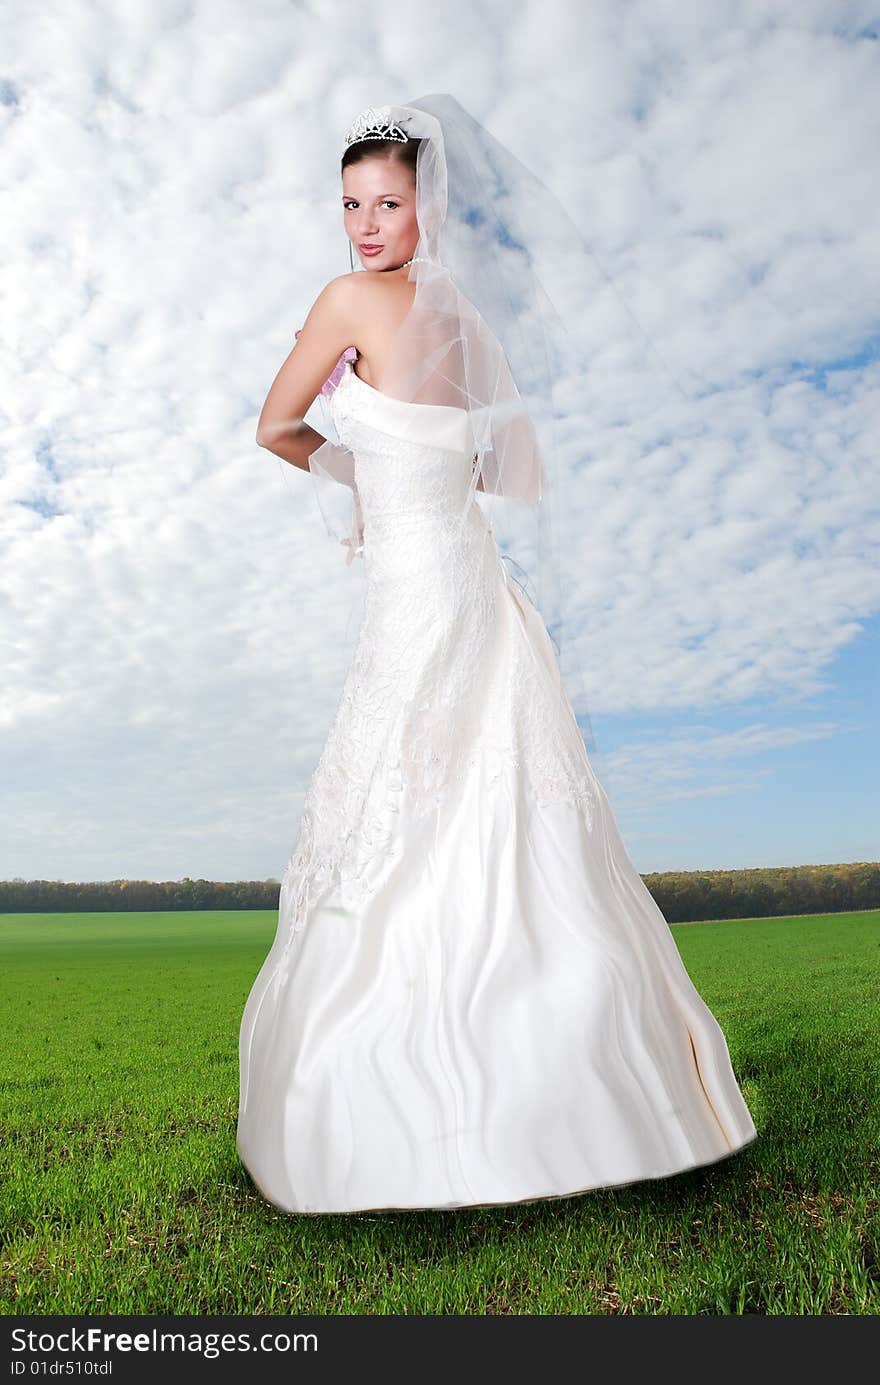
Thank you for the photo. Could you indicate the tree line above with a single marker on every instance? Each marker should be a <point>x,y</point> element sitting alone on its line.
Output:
<point>683,895</point>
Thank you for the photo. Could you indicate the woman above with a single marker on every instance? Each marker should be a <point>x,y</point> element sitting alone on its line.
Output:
<point>471,997</point>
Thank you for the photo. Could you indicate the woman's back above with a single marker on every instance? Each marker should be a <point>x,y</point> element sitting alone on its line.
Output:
<point>381,303</point>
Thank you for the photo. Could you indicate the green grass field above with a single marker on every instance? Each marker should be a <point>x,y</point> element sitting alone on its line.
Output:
<point>122,1191</point>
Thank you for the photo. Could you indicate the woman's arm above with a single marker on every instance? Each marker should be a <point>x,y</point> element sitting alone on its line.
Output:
<point>327,332</point>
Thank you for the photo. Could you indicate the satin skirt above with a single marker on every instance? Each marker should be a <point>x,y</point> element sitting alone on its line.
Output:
<point>503,1017</point>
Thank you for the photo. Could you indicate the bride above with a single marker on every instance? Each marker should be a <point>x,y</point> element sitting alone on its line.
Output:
<point>471,997</point>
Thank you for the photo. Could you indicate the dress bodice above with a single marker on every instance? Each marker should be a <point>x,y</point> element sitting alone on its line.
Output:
<point>413,465</point>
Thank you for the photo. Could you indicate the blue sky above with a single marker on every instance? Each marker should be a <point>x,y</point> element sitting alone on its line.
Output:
<point>751,785</point>
<point>176,625</point>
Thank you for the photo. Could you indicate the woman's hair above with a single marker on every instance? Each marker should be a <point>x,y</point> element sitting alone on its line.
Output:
<point>396,150</point>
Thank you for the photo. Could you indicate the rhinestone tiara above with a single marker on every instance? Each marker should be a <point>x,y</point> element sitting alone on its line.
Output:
<point>374,123</point>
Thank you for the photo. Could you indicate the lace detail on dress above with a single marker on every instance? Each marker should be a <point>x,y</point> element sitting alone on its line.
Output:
<point>446,680</point>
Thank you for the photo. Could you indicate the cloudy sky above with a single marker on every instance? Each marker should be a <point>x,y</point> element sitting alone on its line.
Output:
<point>176,624</point>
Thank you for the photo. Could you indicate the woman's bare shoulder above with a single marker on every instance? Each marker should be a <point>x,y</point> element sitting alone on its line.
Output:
<point>342,299</point>
<point>358,282</point>
<point>349,292</point>
<point>372,307</point>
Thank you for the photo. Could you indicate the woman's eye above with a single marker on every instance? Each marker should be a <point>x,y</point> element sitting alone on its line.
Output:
<point>387,202</point>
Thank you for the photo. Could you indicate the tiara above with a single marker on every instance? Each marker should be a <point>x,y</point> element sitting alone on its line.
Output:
<point>374,123</point>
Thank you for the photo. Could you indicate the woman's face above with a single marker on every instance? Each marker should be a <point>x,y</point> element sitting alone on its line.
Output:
<point>379,207</point>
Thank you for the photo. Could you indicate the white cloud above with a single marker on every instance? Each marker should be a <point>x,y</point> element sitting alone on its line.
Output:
<point>176,622</point>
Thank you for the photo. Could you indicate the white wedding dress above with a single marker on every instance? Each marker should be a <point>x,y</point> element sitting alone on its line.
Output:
<point>471,997</point>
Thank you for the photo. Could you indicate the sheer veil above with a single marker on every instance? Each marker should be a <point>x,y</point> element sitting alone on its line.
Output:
<point>504,282</point>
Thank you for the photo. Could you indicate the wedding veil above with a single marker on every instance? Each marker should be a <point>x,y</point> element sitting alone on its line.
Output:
<point>503,281</point>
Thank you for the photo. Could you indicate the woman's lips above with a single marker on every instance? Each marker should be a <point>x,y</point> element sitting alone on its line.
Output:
<point>371,249</point>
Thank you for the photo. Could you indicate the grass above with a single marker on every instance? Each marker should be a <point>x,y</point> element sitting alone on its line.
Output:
<point>122,1191</point>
